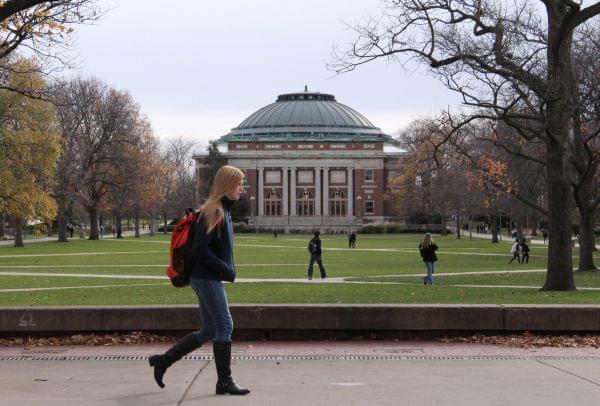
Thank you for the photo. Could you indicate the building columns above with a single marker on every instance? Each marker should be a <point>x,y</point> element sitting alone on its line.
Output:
<point>285,198</point>
<point>325,191</point>
<point>350,178</point>
<point>293,192</point>
<point>317,191</point>
<point>261,191</point>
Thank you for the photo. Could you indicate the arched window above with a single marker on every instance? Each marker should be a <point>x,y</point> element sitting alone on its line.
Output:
<point>305,204</point>
<point>273,203</point>
<point>338,199</point>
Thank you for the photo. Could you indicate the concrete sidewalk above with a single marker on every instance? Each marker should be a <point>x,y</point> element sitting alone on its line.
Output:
<point>307,373</point>
<point>508,238</point>
<point>128,233</point>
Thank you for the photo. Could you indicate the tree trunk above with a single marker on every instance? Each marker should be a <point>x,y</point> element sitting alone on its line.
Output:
<point>444,224</point>
<point>2,225</point>
<point>62,228</point>
<point>165,223</point>
<point>559,113</point>
<point>151,224</point>
<point>19,222</point>
<point>560,261</point>
<point>470,226</point>
<point>93,212</point>
<point>119,225</point>
<point>136,213</point>
<point>586,240</point>
<point>458,226</point>
<point>494,228</point>
<point>62,220</point>
<point>500,227</point>
<point>586,167</point>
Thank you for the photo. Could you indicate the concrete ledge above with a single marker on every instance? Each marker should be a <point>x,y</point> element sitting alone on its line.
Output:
<point>261,317</point>
<point>255,317</point>
<point>552,317</point>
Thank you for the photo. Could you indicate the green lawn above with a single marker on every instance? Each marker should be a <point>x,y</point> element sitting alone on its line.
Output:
<point>49,271</point>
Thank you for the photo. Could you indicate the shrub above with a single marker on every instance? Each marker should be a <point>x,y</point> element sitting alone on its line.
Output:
<point>372,229</point>
<point>394,228</point>
<point>241,227</point>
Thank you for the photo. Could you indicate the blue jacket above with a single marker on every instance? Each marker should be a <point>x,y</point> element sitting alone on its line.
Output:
<point>213,252</point>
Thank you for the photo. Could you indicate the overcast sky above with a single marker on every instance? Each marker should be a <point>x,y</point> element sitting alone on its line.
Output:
<point>199,68</point>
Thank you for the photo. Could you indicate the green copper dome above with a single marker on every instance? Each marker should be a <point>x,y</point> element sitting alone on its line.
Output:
<point>305,116</point>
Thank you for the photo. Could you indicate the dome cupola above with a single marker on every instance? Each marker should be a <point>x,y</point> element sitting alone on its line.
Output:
<point>305,116</point>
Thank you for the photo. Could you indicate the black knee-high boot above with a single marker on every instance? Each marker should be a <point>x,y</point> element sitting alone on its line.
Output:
<point>225,384</point>
<point>161,362</point>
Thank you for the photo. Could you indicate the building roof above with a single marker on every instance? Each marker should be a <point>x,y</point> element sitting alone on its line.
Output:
<point>388,150</point>
<point>305,116</point>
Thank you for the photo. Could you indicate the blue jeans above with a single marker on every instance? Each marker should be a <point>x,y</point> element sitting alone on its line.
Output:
<point>317,258</point>
<point>430,270</point>
<point>217,324</point>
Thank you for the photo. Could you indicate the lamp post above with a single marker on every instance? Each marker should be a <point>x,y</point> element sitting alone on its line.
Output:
<point>252,199</point>
<point>358,204</point>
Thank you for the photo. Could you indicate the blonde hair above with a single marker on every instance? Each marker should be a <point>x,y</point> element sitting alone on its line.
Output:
<point>226,179</point>
<point>428,239</point>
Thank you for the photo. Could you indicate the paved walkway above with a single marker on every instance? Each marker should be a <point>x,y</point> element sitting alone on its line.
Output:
<point>307,373</point>
<point>55,237</point>
<point>509,238</point>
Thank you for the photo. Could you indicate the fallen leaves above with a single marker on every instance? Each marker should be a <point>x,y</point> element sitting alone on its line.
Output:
<point>136,337</point>
<point>530,340</point>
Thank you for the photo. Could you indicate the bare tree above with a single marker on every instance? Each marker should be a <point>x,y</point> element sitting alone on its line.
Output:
<point>103,122</point>
<point>509,65</point>
<point>44,29</point>
<point>178,153</point>
<point>586,142</point>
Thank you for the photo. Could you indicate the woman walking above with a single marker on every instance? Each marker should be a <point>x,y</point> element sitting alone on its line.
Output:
<point>213,263</point>
<point>427,250</point>
<point>515,250</point>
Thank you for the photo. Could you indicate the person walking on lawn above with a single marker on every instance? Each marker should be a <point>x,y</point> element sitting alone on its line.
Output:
<point>352,240</point>
<point>427,249</point>
<point>314,247</point>
<point>515,250</point>
<point>212,250</point>
<point>524,252</point>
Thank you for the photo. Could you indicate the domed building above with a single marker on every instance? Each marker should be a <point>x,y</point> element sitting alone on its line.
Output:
<point>311,162</point>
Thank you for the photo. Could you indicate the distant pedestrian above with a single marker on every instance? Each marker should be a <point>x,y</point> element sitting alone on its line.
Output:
<point>101,231</point>
<point>524,252</point>
<point>314,247</point>
<point>545,236</point>
<point>427,249</point>
<point>113,228</point>
<point>274,233</point>
<point>515,251</point>
<point>352,240</point>
<point>119,231</point>
<point>70,229</point>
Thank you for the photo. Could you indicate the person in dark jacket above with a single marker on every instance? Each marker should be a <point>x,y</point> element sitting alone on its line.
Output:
<point>524,252</point>
<point>352,240</point>
<point>212,249</point>
<point>427,249</point>
<point>314,247</point>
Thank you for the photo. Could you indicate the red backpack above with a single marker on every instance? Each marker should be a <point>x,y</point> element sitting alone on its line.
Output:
<point>181,264</point>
